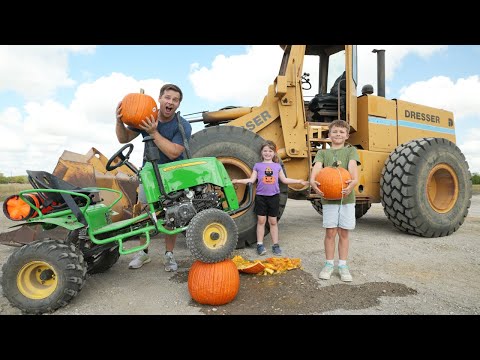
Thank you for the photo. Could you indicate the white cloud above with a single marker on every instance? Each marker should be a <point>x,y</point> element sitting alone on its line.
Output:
<point>470,148</point>
<point>460,97</point>
<point>394,58</point>
<point>244,79</point>
<point>36,71</point>
<point>241,79</point>
<point>38,138</point>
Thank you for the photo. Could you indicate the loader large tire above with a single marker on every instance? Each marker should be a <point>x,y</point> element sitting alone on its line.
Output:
<point>238,149</point>
<point>212,236</point>
<point>43,276</point>
<point>425,187</point>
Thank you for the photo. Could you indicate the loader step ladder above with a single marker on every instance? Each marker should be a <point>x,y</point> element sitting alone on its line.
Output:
<point>317,136</point>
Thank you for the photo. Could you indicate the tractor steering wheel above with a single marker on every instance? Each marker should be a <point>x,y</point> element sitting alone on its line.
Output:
<point>119,154</point>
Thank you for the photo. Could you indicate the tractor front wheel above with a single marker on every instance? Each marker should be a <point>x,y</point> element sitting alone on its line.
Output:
<point>212,236</point>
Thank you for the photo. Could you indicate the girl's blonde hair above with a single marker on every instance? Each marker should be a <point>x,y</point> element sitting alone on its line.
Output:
<point>271,145</point>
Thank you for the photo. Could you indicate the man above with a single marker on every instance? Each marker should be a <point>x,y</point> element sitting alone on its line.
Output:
<point>168,138</point>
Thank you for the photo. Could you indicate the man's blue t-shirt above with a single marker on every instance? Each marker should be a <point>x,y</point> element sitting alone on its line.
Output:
<point>170,131</point>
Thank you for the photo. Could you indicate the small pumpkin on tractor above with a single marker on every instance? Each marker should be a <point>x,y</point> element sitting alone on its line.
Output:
<point>194,196</point>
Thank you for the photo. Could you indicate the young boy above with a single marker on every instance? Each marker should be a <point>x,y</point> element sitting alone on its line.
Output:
<point>338,215</point>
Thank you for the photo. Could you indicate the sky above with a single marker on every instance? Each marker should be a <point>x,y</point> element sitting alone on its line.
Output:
<point>55,98</point>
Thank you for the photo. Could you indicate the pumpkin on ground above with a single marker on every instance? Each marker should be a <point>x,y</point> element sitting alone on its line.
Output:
<point>213,284</point>
<point>332,182</point>
<point>247,266</point>
<point>136,107</point>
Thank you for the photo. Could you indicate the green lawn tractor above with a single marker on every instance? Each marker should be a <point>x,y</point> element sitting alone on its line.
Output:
<point>194,197</point>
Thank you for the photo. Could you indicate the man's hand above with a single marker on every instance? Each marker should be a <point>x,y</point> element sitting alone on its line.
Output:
<point>118,112</point>
<point>149,125</point>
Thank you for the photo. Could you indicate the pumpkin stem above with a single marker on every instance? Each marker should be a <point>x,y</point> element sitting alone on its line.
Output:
<point>142,91</point>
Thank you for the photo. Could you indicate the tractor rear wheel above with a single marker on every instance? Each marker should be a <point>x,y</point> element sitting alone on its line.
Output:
<point>97,262</point>
<point>211,236</point>
<point>43,276</point>
<point>425,187</point>
<point>238,149</point>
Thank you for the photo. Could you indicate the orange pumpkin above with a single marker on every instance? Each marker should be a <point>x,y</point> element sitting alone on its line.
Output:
<point>213,284</point>
<point>16,209</point>
<point>332,182</point>
<point>136,107</point>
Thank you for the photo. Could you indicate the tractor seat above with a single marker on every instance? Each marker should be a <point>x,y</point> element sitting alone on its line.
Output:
<point>45,180</point>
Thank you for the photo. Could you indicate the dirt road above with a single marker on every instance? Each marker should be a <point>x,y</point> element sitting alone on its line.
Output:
<point>393,273</point>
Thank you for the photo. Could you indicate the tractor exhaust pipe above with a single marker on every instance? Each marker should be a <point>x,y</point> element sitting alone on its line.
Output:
<point>380,71</point>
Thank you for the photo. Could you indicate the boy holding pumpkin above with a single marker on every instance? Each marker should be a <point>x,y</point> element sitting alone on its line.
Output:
<point>338,215</point>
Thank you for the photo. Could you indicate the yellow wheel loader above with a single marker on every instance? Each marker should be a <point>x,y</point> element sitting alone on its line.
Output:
<point>409,160</point>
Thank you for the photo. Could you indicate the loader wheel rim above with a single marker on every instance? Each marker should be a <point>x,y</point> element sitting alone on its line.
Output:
<point>236,169</point>
<point>215,236</point>
<point>37,280</point>
<point>442,188</point>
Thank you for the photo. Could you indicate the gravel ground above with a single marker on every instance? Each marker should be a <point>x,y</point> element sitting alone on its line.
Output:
<point>393,273</point>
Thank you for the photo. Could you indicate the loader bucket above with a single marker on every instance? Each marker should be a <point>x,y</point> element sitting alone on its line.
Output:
<point>84,171</point>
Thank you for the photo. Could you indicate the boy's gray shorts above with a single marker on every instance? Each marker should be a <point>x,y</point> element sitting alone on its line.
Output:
<point>342,216</point>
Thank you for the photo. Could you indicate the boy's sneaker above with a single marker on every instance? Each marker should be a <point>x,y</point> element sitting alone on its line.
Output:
<point>276,249</point>
<point>261,249</point>
<point>140,258</point>
<point>344,273</point>
<point>169,262</point>
<point>326,272</point>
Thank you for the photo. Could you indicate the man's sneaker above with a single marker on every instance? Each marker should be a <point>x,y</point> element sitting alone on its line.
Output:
<point>326,272</point>
<point>261,249</point>
<point>344,273</point>
<point>140,258</point>
<point>169,262</point>
<point>276,249</point>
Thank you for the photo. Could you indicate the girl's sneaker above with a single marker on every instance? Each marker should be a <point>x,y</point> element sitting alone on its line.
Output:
<point>261,249</point>
<point>276,249</point>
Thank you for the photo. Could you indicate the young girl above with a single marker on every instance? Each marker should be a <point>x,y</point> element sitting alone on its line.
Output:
<point>267,198</point>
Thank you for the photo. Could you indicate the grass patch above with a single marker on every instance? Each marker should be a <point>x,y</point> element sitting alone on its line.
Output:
<point>12,189</point>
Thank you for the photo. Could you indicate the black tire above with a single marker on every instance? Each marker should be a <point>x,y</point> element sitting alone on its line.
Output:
<point>360,208</point>
<point>212,236</point>
<point>99,262</point>
<point>238,149</point>
<point>425,187</point>
<point>103,262</point>
<point>43,276</point>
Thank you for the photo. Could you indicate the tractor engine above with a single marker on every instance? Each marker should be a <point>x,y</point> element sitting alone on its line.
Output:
<point>178,213</point>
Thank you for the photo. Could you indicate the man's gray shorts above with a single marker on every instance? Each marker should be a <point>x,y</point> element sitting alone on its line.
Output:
<point>342,216</point>
<point>141,194</point>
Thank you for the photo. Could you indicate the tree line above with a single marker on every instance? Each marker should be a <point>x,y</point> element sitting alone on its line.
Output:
<point>21,179</point>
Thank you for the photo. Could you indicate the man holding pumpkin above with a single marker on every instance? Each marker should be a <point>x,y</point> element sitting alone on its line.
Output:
<point>167,136</point>
<point>338,213</point>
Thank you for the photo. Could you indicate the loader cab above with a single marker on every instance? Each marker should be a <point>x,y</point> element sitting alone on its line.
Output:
<point>329,83</point>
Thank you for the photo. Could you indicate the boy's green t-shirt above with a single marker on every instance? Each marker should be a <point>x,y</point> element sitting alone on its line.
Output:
<point>343,155</point>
